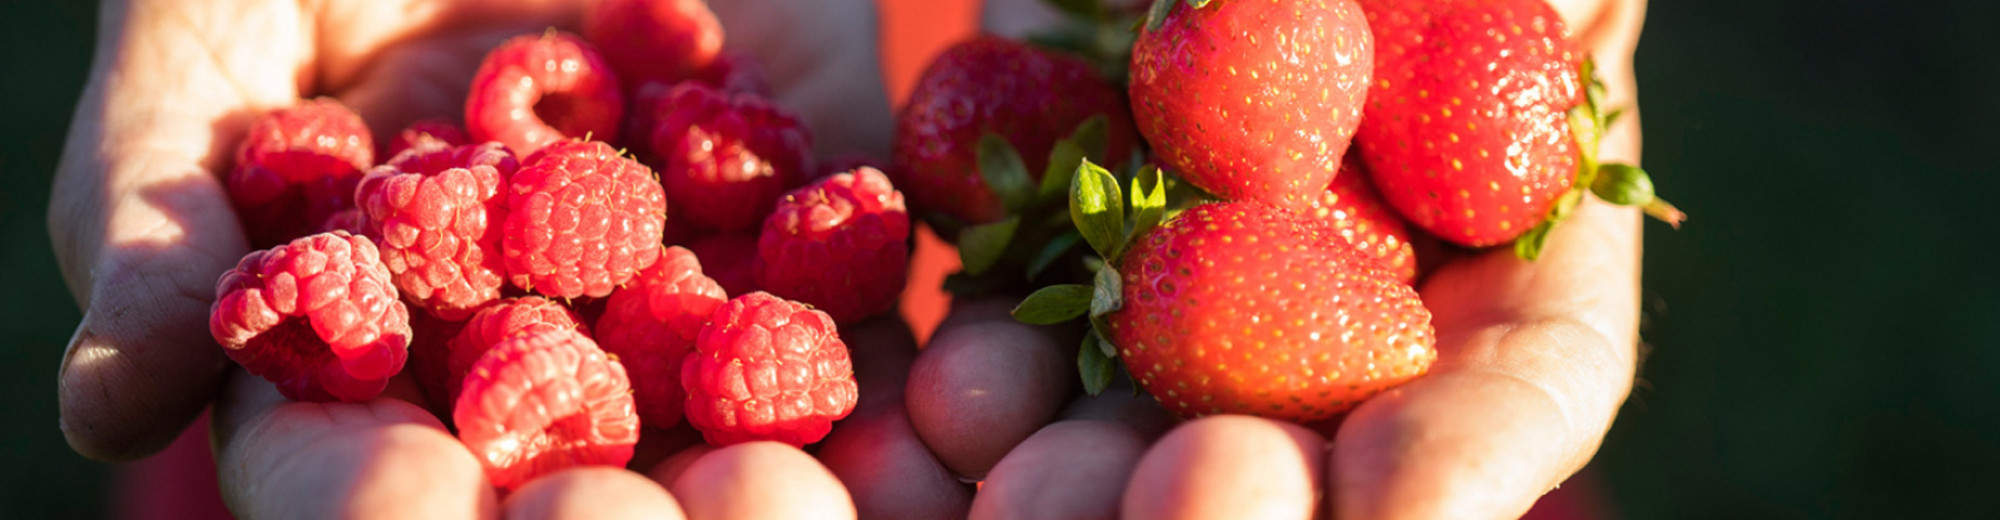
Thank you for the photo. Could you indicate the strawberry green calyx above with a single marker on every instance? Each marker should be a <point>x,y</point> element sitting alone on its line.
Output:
<point>1621,184</point>
<point>1037,231</point>
<point>1109,219</point>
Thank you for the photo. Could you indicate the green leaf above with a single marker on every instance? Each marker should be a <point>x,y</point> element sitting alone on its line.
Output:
<point>1098,209</point>
<point>1158,14</point>
<point>1096,368</point>
<point>1004,172</point>
<point>1068,153</point>
<point>1054,304</point>
<point>1529,245</point>
<point>1107,292</point>
<point>1610,118</point>
<point>1149,201</point>
<point>1197,4</point>
<point>1051,251</point>
<point>981,246</point>
<point>1623,184</point>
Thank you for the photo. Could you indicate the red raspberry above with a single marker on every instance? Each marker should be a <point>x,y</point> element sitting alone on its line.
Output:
<point>840,244</point>
<point>351,220</point>
<point>432,208</point>
<point>438,131</point>
<point>1352,209</point>
<point>730,259</point>
<point>654,40</point>
<point>736,72</point>
<point>317,317</point>
<point>581,220</point>
<point>724,159</point>
<point>536,89</point>
<point>297,167</point>
<point>651,324</point>
<point>502,320</point>
<point>767,369</point>
<point>541,403</point>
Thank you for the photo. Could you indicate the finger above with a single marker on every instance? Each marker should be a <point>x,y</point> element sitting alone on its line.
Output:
<point>593,493</point>
<point>824,63</point>
<point>1229,466</point>
<point>381,459</point>
<point>984,384</point>
<point>758,481</point>
<point>656,445</point>
<point>671,468</point>
<point>1070,469</point>
<point>1120,404</point>
<point>888,470</point>
<point>140,224</point>
<point>874,452</point>
<point>1534,358</point>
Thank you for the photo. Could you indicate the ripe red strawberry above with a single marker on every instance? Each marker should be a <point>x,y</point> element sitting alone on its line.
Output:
<point>1253,100</point>
<point>1352,210</point>
<point>1467,132</point>
<point>1031,97</point>
<point>1240,307</point>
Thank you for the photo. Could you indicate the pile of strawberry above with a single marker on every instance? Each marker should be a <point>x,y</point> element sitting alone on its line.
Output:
<point>1273,167</point>
<point>530,275</point>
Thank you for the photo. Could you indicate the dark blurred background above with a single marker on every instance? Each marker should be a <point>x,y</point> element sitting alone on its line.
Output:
<point>1823,329</point>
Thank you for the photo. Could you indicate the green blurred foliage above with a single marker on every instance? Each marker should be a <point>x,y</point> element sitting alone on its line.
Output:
<point>44,55</point>
<point>1822,329</point>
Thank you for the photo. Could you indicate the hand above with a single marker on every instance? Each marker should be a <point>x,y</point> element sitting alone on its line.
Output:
<point>1534,361</point>
<point>142,227</point>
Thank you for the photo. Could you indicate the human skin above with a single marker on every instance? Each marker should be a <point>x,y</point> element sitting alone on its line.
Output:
<point>1534,360</point>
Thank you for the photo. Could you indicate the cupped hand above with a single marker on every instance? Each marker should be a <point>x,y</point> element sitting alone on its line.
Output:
<point>142,226</point>
<point>1534,360</point>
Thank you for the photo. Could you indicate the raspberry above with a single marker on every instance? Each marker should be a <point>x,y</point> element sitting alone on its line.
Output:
<point>317,317</point>
<point>840,244</point>
<point>297,167</point>
<point>1351,209</point>
<point>432,208</point>
<point>651,324</point>
<point>724,159</point>
<point>536,89</point>
<point>730,259</point>
<point>736,72</point>
<point>438,131</point>
<point>540,403</point>
<point>430,352</point>
<point>498,322</point>
<point>767,369</point>
<point>654,40</point>
<point>351,220</point>
<point>581,220</point>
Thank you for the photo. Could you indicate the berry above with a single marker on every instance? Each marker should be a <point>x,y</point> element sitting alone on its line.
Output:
<point>654,40</point>
<point>1468,133</point>
<point>1031,97</point>
<point>1352,210</point>
<point>433,208</point>
<point>316,316</point>
<point>725,158</point>
<point>731,260</point>
<point>533,90</point>
<point>424,132</point>
<point>430,352</point>
<point>501,321</point>
<point>767,369</point>
<point>651,325</point>
<point>351,220</point>
<point>1253,100</point>
<point>736,72</point>
<point>296,168</point>
<point>581,220</point>
<point>541,403</point>
<point>1240,307</point>
<point>840,244</point>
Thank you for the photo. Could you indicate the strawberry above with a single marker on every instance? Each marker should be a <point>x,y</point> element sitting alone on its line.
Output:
<point>1029,96</point>
<point>1252,100</point>
<point>1234,307</point>
<point>1352,210</point>
<point>1470,127</point>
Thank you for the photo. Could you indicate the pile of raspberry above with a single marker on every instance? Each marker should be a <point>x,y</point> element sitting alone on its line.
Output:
<point>546,288</point>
